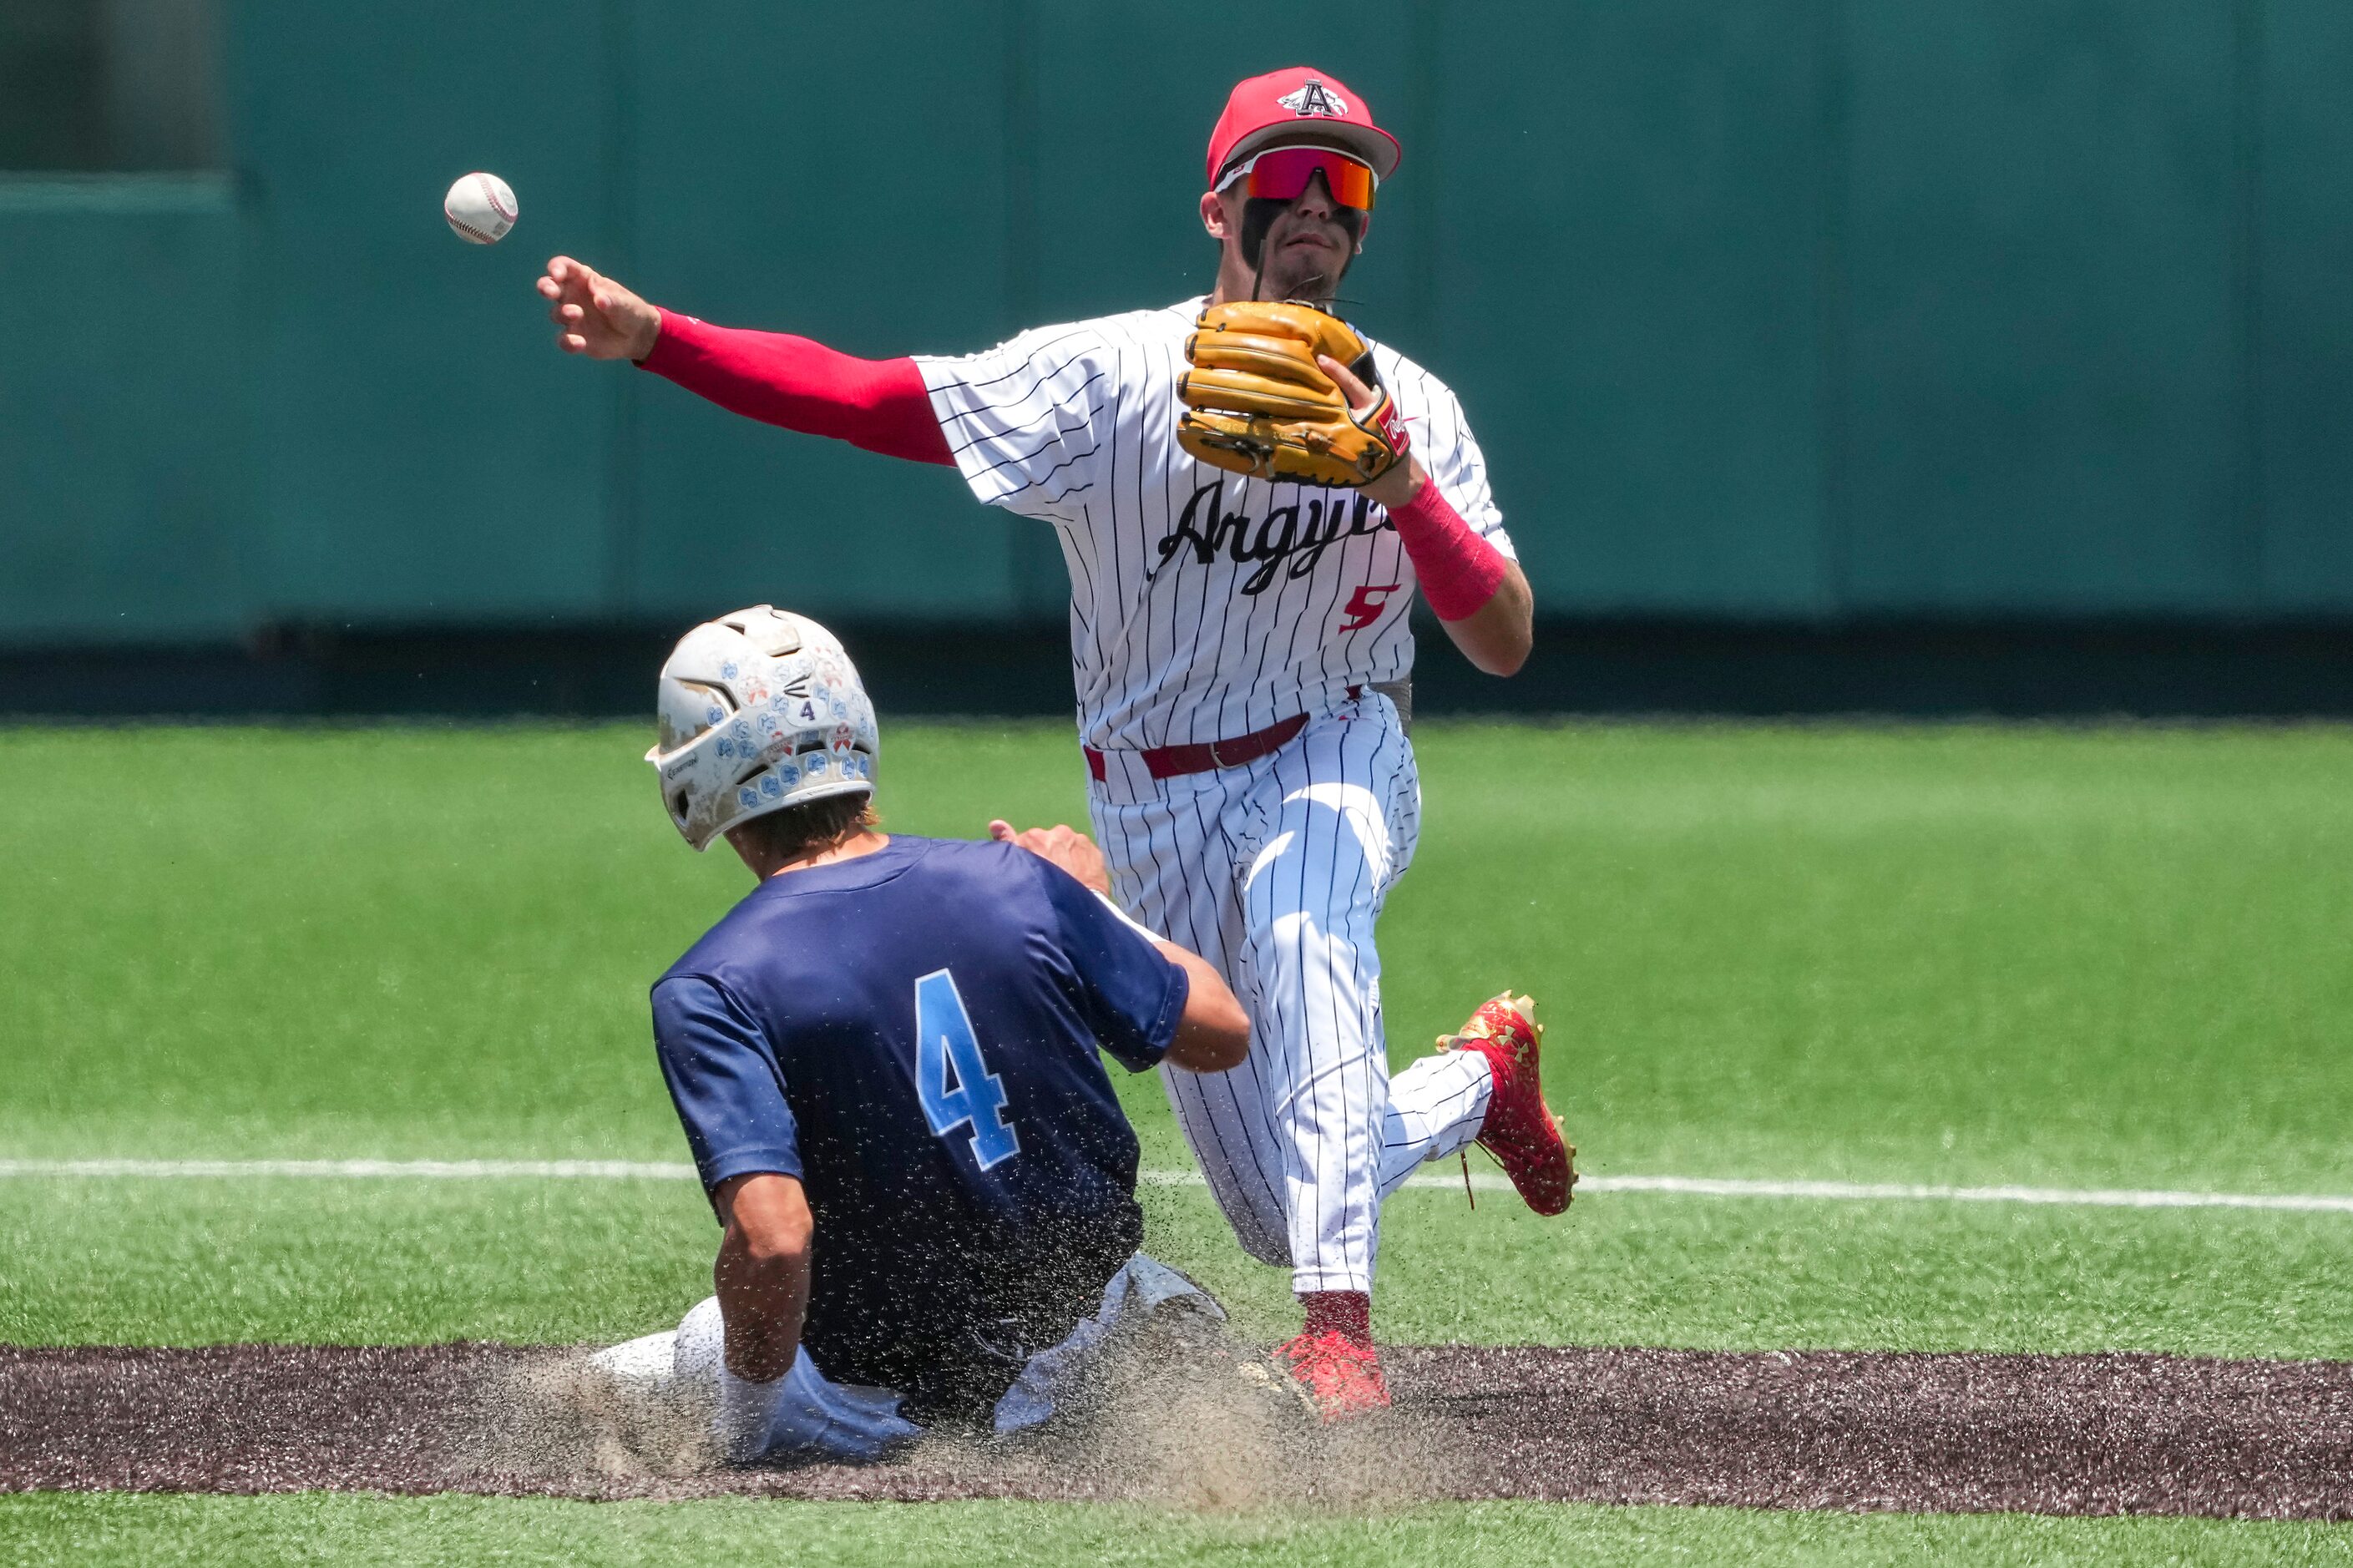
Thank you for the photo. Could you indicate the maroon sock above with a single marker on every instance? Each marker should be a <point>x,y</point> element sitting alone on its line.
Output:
<point>1349,1313</point>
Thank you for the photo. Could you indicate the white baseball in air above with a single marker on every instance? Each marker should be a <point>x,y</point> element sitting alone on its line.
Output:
<point>480,208</point>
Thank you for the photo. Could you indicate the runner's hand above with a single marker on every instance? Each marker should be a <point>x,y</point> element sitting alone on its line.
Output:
<point>1059,845</point>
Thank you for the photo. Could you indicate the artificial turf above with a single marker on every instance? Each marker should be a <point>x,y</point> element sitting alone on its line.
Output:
<point>2098,957</point>
<point>201,1261</point>
<point>2108,956</point>
<point>2102,957</point>
<point>100,1530</point>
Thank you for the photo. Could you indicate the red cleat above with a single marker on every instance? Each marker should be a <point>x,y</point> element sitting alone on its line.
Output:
<point>1341,1375</point>
<point>1519,1131</point>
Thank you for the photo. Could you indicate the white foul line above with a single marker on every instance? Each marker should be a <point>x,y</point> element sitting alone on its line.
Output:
<point>429,1170</point>
<point>1877,1192</point>
<point>1485,1182</point>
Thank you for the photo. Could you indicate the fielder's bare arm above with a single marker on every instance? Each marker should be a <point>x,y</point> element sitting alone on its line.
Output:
<point>1248,495</point>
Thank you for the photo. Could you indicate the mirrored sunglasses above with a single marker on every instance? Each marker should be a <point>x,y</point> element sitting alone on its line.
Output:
<point>1281,173</point>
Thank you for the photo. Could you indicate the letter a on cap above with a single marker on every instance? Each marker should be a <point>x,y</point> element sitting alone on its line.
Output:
<point>1313,100</point>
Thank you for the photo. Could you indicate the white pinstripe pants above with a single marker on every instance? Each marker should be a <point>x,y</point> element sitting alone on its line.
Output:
<point>1276,873</point>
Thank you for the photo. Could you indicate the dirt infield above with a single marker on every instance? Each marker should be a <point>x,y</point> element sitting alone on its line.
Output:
<point>2061,1435</point>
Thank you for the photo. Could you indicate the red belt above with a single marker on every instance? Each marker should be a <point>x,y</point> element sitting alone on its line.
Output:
<point>1170,761</point>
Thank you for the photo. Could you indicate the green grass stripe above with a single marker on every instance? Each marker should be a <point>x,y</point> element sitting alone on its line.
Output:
<point>1800,1190</point>
<point>536,1261</point>
<point>2057,958</point>
<point>100,1531</point>
<point>1963,956</point>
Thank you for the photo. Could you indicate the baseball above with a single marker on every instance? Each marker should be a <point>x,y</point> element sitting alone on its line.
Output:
<point>480,208</point>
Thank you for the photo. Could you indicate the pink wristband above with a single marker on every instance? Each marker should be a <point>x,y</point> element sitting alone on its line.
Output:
<point>1460,571</point>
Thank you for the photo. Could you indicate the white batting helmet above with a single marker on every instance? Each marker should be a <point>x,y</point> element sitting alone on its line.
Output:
<point>760,709</point>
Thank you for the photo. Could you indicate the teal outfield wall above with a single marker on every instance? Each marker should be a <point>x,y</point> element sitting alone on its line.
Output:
<point>1802,309</point>
<point>126,512</point>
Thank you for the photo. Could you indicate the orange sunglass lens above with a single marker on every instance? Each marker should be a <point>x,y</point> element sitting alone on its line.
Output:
<point>1284,173</point>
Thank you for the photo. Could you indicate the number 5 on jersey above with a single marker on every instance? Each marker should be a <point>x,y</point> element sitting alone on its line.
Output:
<point>944,1039</point>
<point>1366,605</point>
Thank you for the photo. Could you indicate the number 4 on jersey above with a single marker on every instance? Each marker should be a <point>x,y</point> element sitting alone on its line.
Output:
<point>944,1039</point>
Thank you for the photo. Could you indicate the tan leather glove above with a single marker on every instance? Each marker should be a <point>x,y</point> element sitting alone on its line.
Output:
<point>1257,403</point>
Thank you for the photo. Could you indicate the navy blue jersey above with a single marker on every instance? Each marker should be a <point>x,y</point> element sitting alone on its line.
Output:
<point>913,1033</point>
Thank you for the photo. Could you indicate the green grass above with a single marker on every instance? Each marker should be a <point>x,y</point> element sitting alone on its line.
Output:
<point>375,1262</point>
<point>264,1532</point>
<point>2017,954</point>
<point>2096,957</point>
<point>2104,957</point>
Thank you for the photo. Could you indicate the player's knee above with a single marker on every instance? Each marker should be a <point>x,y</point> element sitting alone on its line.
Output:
<point>1300,942</point>
<point>1288,932</point>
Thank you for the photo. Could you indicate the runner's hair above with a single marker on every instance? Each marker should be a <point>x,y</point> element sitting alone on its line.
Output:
<point>811,829</point>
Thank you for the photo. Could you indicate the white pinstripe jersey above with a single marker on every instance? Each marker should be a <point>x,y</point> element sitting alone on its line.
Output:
<point>1203,604</point>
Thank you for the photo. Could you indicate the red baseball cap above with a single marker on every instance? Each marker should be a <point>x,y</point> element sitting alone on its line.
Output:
<point>1299,107</point>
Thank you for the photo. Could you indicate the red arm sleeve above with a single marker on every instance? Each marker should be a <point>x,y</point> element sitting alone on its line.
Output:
<point>778,379</point>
